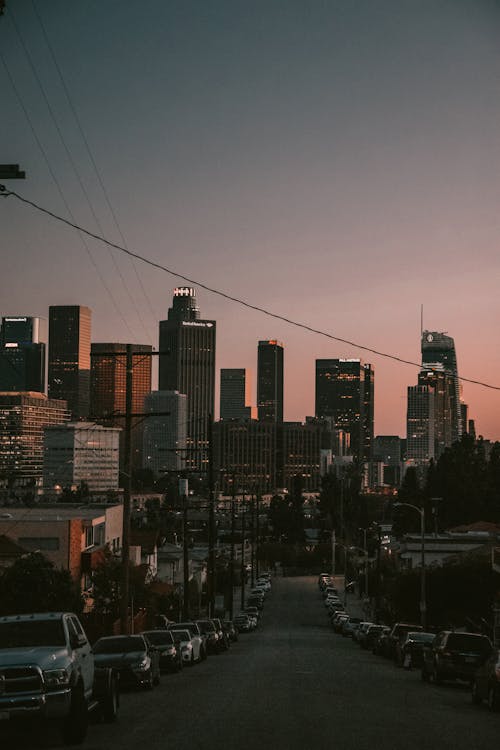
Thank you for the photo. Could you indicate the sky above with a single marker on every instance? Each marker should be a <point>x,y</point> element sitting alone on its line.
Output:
<point>336,162</point>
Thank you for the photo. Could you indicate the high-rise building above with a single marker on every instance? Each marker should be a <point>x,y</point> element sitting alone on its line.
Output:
<point>420,424</point>
<point>438,348</point>
<point>442,385</point>
<point>270,381</point>
<point>187,365</point>
<point>23,343</point>
<point>69,357</point>
<point>234,394</point>
<point>23,418</point>
<point>108,382</point>
<point>164,440</point>
<point>81,452</point>
<point>345,393</point>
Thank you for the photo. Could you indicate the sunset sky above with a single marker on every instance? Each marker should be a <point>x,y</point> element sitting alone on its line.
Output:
<point>336,162</point>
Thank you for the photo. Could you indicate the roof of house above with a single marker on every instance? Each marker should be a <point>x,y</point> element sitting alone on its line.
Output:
<point>482,526</point>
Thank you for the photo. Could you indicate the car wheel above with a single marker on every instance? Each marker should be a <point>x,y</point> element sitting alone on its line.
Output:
<point>74,728</point>
<point>149,684</point>
<point>156,679</point>
<point>493,699</point>
<point>111,703</point>
<point>475,697</point>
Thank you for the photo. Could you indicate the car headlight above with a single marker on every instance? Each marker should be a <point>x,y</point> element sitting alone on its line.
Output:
<point>143,664</point>
<point>56,677</point>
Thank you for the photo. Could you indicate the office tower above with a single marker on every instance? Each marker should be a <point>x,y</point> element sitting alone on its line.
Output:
<point>80,452</point>
<point>442,385</point>
<point>345,393</point>
<point>187,365</point>
<point>69,357</point>
<point>387,449</point>
<point>23,417</point>
<point>439,349</point>
<point>108,390</point>
<point>420,423</point>
<point>164,438</point>
<point>23,343</point>
<point>270,381</point>
<point>234,394</point>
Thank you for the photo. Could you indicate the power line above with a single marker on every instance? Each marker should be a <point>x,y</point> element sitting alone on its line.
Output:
<point>88,149</point>
<point>72,161</point>
<point>60,190</point>
<point>230,297</point>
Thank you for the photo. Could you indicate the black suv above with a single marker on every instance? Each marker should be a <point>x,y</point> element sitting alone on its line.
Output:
<point>455,656</point>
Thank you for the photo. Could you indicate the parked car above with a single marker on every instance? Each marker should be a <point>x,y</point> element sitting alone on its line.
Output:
<point>371,634</point>
<point>135,659</point>
<point>252,611</point>
<point>348,626</point>
<point>163,640</point>
<point>338,619</point>
<point>380,647</point>
<point>455,656</point>
<point>486,682</point>
<point>208,629</point>
<point>231,630</point>
<point>199,639</point>
<point>360,631</point>
<point>409,652</point>
<point>243,623</point>
<point>397,635</point>
<point>223,642</point>
<point>190,651</point>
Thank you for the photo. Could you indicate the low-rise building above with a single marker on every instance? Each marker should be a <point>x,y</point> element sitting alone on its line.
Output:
<point>71,537</point>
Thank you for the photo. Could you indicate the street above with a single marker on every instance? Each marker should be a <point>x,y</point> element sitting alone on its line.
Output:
<point>294,685</point>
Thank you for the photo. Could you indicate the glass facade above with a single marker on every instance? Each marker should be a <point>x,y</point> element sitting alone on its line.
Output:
<point>270,381</point>
<point>69,357</point>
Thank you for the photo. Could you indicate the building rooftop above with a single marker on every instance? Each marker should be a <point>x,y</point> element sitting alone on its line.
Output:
<point>57,512</point>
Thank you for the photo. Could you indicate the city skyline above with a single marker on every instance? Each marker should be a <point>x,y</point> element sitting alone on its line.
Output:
<point>338,166</point>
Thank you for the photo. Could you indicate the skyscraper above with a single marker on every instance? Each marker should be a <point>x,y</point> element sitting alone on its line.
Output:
<point>270,381</point>
<point>441,382</point>
<point>23,342</point>
<point>420,424</point>
<point>108,389</point>
<point>69,357</point>
<point>164,441</point>
<point>345,392</point>
<point>438,348</point>
<point>234,394</point>
<point>187,365</point>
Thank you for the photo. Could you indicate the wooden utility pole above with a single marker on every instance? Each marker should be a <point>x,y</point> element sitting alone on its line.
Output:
<point>212,532</point>
<point>127,491</point>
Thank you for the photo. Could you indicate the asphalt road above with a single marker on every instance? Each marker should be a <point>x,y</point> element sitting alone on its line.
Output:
<point>295,685</point>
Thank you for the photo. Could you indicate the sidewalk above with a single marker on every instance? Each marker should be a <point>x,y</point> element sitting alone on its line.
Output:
<point>354,606</point>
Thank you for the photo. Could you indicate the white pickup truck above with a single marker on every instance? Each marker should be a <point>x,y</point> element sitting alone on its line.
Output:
<point>47,672</point>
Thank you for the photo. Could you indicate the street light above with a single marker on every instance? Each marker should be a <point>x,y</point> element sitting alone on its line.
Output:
<point>347,548</point>
<point>423,596</point>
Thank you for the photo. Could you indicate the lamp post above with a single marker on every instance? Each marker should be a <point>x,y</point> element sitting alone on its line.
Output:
<point>423,595</point>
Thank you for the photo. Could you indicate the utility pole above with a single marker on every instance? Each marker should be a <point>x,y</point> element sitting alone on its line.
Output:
<point>231,559</point>
<point>185,551</point>
<point>211,522</point>
<point>243,571</point>
<point>252,537</point>
<point>257,534</point>
<point>127,489</point>
<point>127,471</point>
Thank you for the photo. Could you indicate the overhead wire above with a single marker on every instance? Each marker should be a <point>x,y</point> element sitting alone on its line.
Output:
<point>231,298</point>
<point>89,150</point>
<point>60,190</point>
<point>74,167</point>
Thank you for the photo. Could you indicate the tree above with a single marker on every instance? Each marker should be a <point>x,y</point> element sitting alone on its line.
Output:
<point>34,584</point>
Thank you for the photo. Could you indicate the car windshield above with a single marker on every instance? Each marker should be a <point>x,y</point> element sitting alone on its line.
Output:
<point>159,637</point>
<point>206,626</point>
<point>181,635</point>
<point>123,644</point>
<point>22,634</point>
<point>190,626</point>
